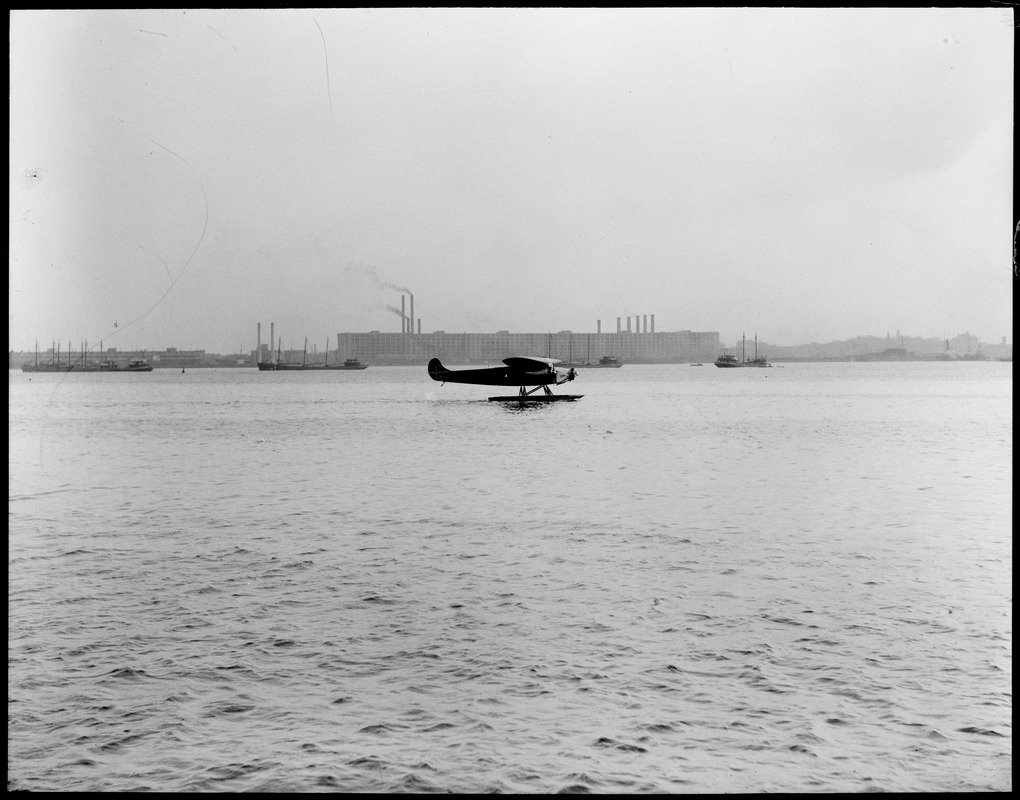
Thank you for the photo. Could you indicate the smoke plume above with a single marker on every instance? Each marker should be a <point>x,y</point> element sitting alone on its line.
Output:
<point>370,273</point>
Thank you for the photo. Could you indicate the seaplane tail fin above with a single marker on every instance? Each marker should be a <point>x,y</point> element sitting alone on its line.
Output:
<point>436,369</point>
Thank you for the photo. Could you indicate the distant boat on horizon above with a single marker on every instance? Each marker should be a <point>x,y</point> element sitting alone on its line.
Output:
<point>304,366</point>
<point>728,360</point>
<point>82,364</point>
<point>604,361</point>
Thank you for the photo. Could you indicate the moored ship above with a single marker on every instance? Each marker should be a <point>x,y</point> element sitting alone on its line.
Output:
<point>728,360</point>
<point>604,361</point>
<point>276,365</point>
<point>82,364</point>
<point>273,366</point>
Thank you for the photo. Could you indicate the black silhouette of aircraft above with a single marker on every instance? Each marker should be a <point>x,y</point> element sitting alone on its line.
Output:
<point>522,371</point>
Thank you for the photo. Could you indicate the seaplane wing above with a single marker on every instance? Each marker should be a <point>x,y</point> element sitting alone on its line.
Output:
<point>530,363</point>
<point>519,371</point>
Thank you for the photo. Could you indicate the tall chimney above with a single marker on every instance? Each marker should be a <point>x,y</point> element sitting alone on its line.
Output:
<point>403,316</point>
<point>258,346</point>
<point>653,323</point>
<point>628,324</point>
<point>598,326</point>
<point>272,339</point>
<point>645,319</point>
<point>410,328</point>
<point>617,324</point>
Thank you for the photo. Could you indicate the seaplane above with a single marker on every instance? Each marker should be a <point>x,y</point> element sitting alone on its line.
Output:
<point>521,371</point>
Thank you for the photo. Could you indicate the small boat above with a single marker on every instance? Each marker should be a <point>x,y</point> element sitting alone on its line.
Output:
<point>138,365</point>
<point>727,360</point>
<point>697,364</point>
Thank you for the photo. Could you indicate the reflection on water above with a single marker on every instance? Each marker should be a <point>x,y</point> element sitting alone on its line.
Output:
<point>688,581</point>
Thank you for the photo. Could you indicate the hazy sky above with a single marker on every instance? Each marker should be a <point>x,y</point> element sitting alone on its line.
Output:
<point>802,174</point>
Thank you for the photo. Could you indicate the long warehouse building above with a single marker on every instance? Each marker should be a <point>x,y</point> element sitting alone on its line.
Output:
<point>485,348</point>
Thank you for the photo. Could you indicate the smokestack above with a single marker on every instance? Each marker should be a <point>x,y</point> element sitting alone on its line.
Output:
<point>410,328</point>
<point>617,324</point>
<point>403,316</point>
<point>628,324</point>
<point>272,335</point>
<point>653,323</point>
<point>598,326</point>
<point>258,346</point>
<point>645,319</point>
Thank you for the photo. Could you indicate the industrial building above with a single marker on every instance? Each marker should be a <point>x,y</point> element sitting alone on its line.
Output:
<point>378,347</point>
<point>635,341</point>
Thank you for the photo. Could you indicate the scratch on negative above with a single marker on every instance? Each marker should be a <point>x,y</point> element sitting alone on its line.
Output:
<point>201,236</point>
<point>325,53</point>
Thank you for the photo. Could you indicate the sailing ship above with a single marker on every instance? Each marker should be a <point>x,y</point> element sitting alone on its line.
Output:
<point>82,364</point>
<point>281,366</point>
<point>604,361</point>
<point>728,360</point>
<point>48,366</point>
<point>756,361</point>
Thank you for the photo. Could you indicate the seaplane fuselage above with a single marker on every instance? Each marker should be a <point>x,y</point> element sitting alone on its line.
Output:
<point>516,371</point>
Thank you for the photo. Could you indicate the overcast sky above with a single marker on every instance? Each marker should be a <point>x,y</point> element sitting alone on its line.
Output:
<point>803,174</point>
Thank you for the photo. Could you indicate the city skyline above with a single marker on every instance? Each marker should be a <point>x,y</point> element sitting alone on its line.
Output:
<point>959,343</point>
<point>804,173</point>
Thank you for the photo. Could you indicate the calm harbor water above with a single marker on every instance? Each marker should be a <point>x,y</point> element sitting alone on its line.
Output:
<point>691,580</point>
